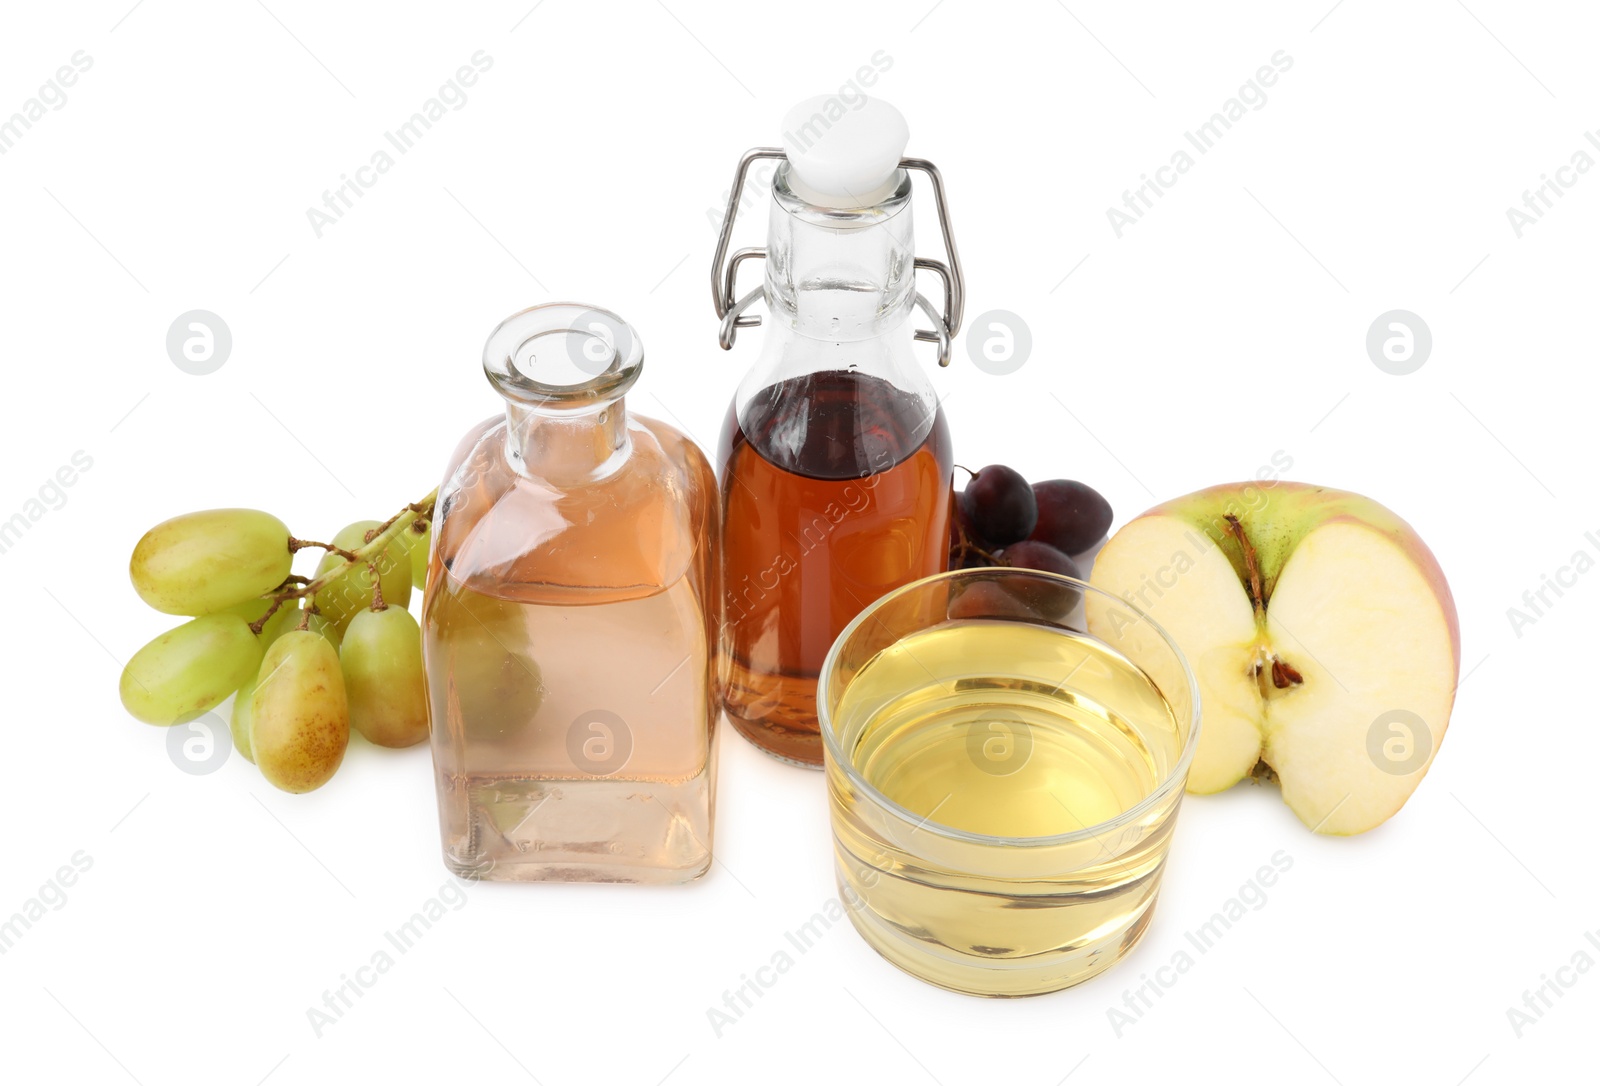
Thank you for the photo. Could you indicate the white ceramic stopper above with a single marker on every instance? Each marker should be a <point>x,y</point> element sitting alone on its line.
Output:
<point>842,153</point>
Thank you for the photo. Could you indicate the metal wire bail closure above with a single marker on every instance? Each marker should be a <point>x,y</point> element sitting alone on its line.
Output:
<point>725,270</point>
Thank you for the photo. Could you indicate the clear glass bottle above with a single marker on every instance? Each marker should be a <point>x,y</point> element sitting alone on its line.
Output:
<point>570,622</point>
<point>835,458</point>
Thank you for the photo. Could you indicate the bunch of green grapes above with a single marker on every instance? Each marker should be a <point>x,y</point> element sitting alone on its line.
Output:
<point>308,658</point>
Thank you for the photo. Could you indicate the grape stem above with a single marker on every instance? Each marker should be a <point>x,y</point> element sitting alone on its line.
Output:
<point>377,588</point>
<point>966,545</point>
<point>255,627</point>
<point>424,509</point>
<point>376,540</point>
<point>297,545</point>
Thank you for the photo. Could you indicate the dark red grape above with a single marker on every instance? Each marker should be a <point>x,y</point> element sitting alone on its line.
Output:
<point>998,506</point>
<point>1072,516</point>
<point>1045,597</point>
<point>986,599</point>
<point>1032,554</point>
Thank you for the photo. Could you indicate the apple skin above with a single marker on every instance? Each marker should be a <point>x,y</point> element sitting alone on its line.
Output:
<point>1313,737</point>
<point>1277,516</point>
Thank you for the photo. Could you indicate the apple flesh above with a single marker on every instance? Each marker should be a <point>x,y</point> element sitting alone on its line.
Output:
<point>1322,635</point>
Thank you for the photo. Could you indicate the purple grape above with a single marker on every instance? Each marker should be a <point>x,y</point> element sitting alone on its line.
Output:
<point>1045,598</point>
<point>1072,516</point>
<point>1032,554</point>
<point>986,599</point>
<point>998,506</point>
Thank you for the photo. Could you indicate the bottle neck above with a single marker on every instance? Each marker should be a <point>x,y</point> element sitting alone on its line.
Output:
<point>841,276</point>
<point>838,368</point>
<point>567,446</point>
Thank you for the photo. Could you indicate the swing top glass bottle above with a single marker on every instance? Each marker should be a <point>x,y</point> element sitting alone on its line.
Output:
<point>835,457</point>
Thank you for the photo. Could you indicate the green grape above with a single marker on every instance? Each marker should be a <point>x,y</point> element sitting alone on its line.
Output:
<point>349,592</point>
<point>201,563</point>
<point>418,542</point>
<point>290,616</point>
<point>319,624</point>
<point>190,669</point>
<point>496,685</point>
<point>299,717</point>
<point>239,723</point>
<point>382,664</point>
<point>283,620</point>
<point>250,610</point>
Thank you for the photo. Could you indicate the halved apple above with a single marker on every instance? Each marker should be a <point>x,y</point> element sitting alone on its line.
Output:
<point>1320,629</point>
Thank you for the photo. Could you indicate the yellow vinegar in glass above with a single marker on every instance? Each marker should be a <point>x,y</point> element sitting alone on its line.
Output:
<point>1024,739</point>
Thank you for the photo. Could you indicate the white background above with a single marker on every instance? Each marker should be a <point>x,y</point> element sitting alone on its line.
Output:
<point>1227,325</point>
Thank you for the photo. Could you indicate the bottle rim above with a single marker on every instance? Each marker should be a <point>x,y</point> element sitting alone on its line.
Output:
<point>563,354</point>
<point>790,197</point>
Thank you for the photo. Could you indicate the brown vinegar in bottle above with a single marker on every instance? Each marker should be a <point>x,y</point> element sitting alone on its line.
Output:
<point>835,457</point>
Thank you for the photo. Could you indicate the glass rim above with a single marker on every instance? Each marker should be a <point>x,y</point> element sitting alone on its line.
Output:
<point>602,379</point>
<point>840,218</point>
<point>830,740</point>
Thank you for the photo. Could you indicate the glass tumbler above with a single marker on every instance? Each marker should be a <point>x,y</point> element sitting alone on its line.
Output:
<point>1006,752</point>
